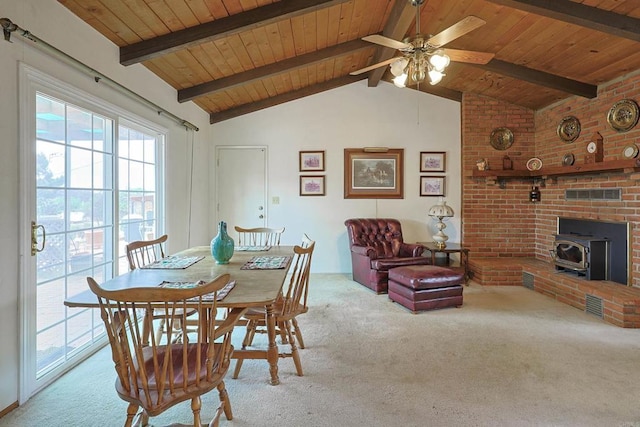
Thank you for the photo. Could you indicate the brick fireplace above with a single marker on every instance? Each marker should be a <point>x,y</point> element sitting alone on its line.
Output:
<point>499,222</point>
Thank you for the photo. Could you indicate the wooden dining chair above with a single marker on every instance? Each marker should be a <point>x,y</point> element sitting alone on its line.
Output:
<point>155,377</point>
<point>144,252</point>
<point>258,237</point>
<point>292,303</point>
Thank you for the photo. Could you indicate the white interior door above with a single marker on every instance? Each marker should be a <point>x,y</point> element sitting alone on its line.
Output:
<point>241,186</point>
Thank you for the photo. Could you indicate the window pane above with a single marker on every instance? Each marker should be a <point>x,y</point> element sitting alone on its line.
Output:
<point>80,162</point>
<point>149,177</point>
<point>50,161</point>
<point>79,127</point>
<point>99,127</point>
<point>50,119</point>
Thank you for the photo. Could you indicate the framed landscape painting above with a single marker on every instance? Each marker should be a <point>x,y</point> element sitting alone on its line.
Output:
<point>311,161</point>
<point>373,175</point>
<point>432,161</point>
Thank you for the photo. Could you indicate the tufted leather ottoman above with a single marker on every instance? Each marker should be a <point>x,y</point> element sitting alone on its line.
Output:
<point>425,287</point>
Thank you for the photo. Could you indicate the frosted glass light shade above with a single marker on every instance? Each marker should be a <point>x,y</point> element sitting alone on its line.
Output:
<point>439,211</point>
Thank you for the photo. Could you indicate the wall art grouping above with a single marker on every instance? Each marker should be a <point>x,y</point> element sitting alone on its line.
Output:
<point>312,161</point>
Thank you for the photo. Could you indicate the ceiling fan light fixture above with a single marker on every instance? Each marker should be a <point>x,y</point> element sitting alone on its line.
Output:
<point>398,67</point>
<point>401,80</point>
<point>435,76</point>
<point>439,61</point>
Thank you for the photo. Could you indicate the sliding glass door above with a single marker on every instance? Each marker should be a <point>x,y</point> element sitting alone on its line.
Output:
<point>92,182</point>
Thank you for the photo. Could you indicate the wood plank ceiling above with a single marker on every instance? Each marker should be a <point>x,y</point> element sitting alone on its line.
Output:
<point>232,57</point>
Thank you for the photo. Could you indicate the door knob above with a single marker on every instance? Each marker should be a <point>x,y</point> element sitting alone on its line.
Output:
<point>260,208</point>
<point>261,216</point>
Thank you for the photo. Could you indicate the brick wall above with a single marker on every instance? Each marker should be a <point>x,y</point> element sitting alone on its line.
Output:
<point>501,222</point>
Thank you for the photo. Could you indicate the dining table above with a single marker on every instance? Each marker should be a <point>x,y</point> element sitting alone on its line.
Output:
<point>259,276</point>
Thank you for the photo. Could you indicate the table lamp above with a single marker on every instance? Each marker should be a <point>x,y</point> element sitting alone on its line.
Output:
<point>439,211</point>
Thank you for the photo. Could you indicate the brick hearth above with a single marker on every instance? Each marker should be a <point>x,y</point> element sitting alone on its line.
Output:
<point>621,304</point>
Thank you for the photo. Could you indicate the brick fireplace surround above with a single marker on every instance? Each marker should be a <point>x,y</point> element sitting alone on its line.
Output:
<point>508,235</point>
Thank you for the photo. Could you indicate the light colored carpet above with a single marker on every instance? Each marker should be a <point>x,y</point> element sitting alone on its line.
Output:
<point>508,357</point>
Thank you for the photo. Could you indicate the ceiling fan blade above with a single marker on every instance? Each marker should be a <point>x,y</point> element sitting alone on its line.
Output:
<point>374,66</point>
<point>386,42</point>
<point>458,29</point>
<point>469,56</point>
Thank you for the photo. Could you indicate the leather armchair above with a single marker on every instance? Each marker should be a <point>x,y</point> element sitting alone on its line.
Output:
<point>376,247</point>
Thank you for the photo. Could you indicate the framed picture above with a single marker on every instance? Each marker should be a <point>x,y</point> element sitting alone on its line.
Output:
<point>311,161</point>
<point>432,161</point>
<point>432,186</point>
<point>312,185</point>
<point>373,175</point>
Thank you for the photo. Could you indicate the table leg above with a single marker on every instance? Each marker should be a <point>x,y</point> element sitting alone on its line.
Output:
<point>272,349</point>
<point>464,260</point>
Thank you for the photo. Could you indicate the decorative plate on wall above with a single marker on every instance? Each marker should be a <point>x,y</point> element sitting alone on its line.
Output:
<point>501,138</point>
<point>630,151</point>
<point>568,159</point>
<point>534,164</point>
<point>569,129</point>
<point>623,116</point>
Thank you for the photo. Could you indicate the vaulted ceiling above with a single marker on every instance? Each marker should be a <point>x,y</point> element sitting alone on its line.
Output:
<point>233,57</point>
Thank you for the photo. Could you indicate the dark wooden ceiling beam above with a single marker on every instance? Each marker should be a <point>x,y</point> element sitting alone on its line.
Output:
<point>579,14</point>
<point>400,19</point>
<point>285,97</point>
<point>220,28</point>
<point>271,70</point>
<point>540,78</point>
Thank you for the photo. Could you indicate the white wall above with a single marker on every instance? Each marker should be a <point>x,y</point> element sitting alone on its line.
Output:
<point>352,116</point>
<point>51,22</point>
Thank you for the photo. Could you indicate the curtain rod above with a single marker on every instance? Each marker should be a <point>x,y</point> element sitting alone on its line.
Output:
<point>9,27</point>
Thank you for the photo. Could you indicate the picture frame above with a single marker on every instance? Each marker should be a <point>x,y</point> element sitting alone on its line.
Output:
<point>433,161</point>
<point>312,161</point>
<point>432,186</point>
<point>372,174</point>
<point>312,185</point>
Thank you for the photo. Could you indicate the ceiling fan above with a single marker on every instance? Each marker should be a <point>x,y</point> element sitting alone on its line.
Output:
<point>423,56</point>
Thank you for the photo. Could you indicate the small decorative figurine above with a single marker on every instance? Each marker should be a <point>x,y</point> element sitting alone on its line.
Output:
<point>482,164</point>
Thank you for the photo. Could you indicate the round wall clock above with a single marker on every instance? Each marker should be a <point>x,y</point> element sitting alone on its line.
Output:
<point>623,116</point>
<point>501,138</point>
<point>569,129</point>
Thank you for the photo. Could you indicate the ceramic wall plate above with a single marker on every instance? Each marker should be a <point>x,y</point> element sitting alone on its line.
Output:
<point>534,164</point>
<point>568,159</point>
<point>630,151</point>
<point>569,129</point>
<point>501,138</point>
<point>623,116</point>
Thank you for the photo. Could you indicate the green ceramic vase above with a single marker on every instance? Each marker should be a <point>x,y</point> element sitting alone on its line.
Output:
<point>222,245</point>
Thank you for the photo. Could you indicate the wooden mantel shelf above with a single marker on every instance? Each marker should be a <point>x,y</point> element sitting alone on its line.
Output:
<point>627,165</point>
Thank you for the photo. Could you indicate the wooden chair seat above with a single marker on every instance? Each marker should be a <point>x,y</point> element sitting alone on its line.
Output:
<point>157,375</point>
<point>292,303</point>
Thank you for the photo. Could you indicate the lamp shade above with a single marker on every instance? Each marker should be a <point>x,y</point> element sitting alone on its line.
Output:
<point>441,209</point>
